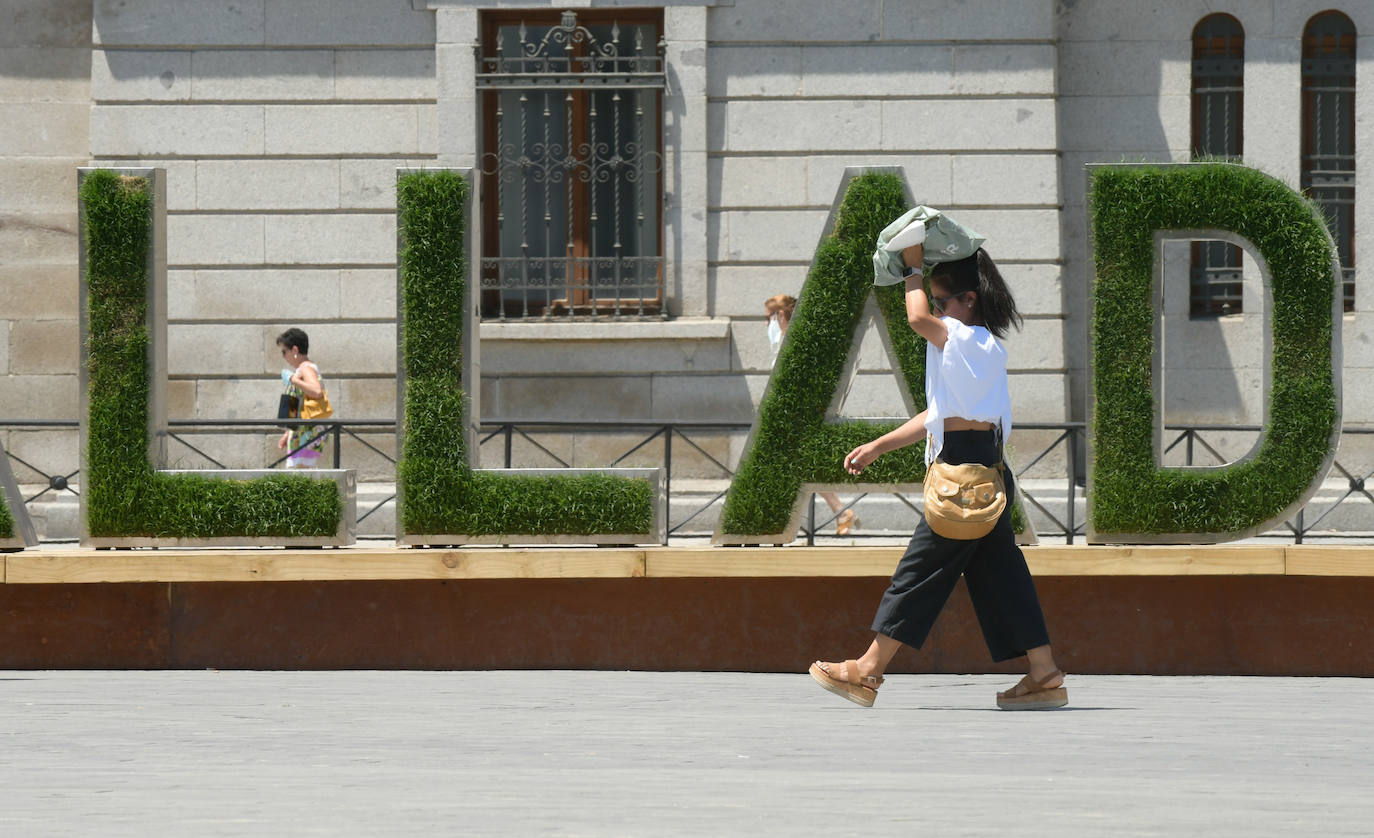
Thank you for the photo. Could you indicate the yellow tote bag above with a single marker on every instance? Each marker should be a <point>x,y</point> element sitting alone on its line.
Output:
<point>317,408</point>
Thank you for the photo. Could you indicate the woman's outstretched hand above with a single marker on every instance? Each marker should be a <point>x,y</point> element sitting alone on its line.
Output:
<point>859,459</point>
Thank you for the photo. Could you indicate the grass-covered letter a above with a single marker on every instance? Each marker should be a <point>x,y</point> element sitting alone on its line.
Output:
<point>795,444</point>
<point>16,528</point>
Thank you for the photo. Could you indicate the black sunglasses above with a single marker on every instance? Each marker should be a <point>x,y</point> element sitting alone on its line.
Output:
<point>940,302</point>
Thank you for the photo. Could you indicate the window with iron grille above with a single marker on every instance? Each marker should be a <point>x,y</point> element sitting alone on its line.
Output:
<point>1328,132</point>
<point>572,164</point>
<point>1215,285</point>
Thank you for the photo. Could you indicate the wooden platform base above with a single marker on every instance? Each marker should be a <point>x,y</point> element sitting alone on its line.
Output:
<point>78,566</point>
<point>1160,610</point>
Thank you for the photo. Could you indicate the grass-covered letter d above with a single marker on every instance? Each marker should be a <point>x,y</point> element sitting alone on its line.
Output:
<point>1134,209</point>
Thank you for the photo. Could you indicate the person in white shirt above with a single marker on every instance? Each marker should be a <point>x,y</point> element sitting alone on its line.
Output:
<point>968,414</point>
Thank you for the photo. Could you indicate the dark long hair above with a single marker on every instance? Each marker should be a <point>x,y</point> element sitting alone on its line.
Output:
<point>979,273</point>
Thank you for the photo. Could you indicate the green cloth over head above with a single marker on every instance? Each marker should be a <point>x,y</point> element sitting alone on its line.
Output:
<point>946,241</point>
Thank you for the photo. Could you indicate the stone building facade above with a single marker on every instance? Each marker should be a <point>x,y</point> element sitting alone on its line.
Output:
<point>280,124</point>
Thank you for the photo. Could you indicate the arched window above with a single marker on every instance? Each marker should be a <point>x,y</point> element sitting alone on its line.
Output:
<point>1218,80</point>
<point>1328,131</point>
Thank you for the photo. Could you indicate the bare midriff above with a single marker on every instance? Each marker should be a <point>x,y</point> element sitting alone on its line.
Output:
<point>958,423</point>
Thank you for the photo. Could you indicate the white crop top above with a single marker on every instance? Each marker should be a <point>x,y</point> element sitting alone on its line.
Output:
<point>968,379</point>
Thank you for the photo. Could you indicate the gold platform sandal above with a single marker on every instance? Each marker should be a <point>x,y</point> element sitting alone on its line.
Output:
<point>843,680</point>
<point>848,520</point>
<point>1030,694</point>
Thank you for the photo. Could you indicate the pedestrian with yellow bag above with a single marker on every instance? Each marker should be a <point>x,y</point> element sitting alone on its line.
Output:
<point>306,396</point>
<point>967,529</point>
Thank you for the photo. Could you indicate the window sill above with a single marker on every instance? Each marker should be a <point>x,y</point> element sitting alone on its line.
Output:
<point>696,328</point>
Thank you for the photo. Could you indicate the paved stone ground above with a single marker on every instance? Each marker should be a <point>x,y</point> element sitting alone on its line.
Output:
<point>661,754</point>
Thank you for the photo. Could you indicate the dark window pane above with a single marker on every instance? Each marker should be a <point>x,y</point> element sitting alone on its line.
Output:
<point>1218,82</point>
<point>1328,132</point>
<point>572,163</point>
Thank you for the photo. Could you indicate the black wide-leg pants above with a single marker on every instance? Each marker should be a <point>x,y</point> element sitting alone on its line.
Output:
<point>994,569</point>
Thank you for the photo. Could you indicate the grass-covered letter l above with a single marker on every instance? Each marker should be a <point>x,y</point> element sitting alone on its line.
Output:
<point>442,498</point>
<point>126,500</point>
<point>1134,209</point>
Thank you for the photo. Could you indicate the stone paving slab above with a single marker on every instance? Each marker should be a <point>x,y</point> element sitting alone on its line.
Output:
<point>666,754</point>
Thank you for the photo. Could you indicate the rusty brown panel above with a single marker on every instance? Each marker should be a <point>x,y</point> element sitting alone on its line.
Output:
<point>1162,625</point>
<point>1261,625</point>
<point>955,643</point>
<point>669,624</point>
<point>1215,625</point>
<point>84,626</point>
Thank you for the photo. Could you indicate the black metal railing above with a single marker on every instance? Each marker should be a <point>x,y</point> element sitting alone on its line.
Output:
<point>335,431</point>
<point>657,442</point>
<point>1190,436</point>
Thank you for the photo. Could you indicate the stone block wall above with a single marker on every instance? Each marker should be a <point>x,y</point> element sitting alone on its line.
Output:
<point>1124,90</point>
<point>792,94</point>
<point>961,95</point>
<point>281,124</point>
<point>45,70</point>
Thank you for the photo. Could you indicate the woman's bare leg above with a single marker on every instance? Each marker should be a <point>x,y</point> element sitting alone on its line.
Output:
<point>879,655</point>
<point>873,662</point>
<point>844,521</point>
<point>1041,660</point>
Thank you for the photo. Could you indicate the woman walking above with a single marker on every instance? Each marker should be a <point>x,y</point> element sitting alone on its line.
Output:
<point>968,415</point>
<point>304,383</point>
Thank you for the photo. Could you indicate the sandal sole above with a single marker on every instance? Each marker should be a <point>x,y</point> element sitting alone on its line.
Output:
<point>1041,700</point>
<point>861,696</point>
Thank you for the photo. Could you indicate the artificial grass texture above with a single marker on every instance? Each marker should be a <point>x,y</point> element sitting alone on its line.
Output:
<point>6,519</point>
<point>125,496</point>
<point>1131,495</point>
<point>439,492</point>
<point>793,444</point>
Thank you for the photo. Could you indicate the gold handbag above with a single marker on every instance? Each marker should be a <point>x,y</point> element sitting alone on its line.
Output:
<point>317,408</point>
<point>964,501</point>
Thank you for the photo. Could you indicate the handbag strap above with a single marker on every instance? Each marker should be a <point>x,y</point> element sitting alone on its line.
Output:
<point>320,376</point>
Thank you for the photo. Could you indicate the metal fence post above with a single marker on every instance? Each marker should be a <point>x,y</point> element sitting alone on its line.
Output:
<point>338,444</point>
<point>1073,483</point>
<point>668,468</point>
<point>811,523</point>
